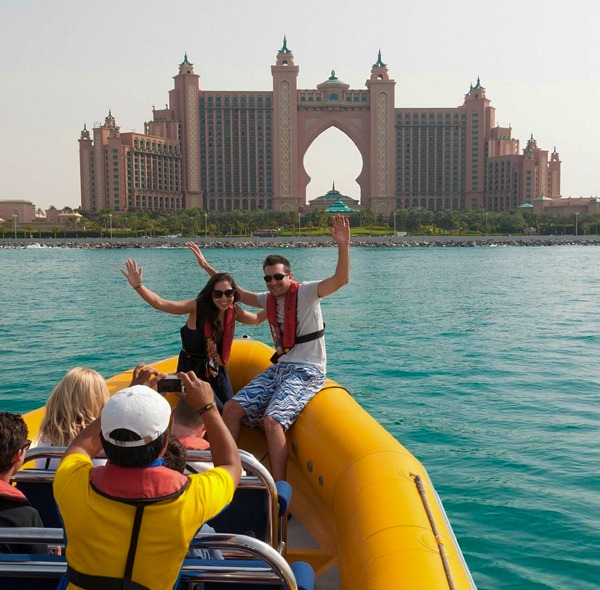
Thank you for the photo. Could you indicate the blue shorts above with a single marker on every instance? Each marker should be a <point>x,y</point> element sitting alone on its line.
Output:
<point>281,391</point>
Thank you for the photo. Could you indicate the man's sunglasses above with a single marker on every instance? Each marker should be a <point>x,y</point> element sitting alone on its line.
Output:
<point>217,294</point>
<point>277,277</point>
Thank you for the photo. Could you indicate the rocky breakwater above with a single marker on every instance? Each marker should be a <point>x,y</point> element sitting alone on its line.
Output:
<point>305,242</point>
<point>476,241</point>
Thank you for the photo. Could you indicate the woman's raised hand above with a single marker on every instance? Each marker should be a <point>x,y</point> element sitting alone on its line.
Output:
<point>204,265</point>
<point>197,253</point>
<point>133,273</point>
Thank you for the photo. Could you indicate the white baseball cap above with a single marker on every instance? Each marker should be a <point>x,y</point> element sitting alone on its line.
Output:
<point>139,409</point>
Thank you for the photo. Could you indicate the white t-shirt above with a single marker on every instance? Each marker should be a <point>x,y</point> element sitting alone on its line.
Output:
<point>309,320</point>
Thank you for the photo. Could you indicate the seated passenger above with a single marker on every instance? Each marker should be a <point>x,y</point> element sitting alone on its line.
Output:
<point>15,509</point>
<point>133,515</point>
<point>174,457</point>
<point>75,402</point>
<point>188,427</point>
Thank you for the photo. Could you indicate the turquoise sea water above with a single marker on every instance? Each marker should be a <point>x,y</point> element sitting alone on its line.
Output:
<point>482,361</point>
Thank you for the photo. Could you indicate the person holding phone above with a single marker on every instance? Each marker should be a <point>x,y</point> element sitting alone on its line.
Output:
<point>123,513</point>
<point>207,335</point>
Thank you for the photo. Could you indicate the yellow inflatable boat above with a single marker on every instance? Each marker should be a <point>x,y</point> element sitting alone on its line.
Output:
<point>365,514</point>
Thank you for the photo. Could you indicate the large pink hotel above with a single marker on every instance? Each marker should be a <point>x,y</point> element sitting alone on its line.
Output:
<point>223,150</point>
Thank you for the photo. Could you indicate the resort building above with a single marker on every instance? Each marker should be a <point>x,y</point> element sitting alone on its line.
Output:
<point>564,206</point>
<point>18,211</point>
<point>132,171</point>
<point>330,197</point>
<point>226,150</point>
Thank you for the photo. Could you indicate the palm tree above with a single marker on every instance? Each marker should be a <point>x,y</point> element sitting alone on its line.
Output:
<point>151,226</point>
<point>320,218</point>
<point>447,219</point>
<point>73,219</point>
<point>366,218</point>
<point>6,227</point>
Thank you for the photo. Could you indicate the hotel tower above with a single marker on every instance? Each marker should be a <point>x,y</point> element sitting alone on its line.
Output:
<point>226,150</point>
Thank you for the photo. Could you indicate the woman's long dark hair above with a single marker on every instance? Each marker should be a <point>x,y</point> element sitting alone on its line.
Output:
<point>206,310</point>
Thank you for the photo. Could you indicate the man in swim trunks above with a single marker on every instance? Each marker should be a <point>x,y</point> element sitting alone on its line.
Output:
<point>278,395</point>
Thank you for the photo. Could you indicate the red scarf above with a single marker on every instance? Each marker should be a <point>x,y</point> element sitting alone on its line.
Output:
<point>284,342</point>
<point>228,332</point>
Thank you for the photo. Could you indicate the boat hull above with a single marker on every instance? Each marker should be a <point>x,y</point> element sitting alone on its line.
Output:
<point>368,503</point>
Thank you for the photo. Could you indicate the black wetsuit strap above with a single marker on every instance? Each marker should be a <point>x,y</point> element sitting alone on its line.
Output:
<point>89,582</point>
<point>135,535</point>
<point>309,337</point>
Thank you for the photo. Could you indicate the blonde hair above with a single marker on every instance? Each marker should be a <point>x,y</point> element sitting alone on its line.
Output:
<point>77,400</point>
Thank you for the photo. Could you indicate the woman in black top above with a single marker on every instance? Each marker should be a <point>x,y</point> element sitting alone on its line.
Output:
<point>207,335</point>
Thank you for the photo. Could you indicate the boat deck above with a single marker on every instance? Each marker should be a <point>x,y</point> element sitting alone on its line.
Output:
<point>300,537</point>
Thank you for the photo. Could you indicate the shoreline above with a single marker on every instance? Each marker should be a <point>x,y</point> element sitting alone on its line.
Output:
<point>303,242</point>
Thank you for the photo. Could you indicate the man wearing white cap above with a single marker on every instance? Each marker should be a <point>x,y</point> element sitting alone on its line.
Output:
<point>132,520</point>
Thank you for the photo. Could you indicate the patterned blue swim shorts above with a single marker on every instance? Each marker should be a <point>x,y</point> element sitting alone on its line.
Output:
<point>281,391</point>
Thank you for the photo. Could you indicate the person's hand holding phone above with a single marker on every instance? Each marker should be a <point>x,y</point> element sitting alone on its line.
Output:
<point>169,384</point>
<point>199,394</point>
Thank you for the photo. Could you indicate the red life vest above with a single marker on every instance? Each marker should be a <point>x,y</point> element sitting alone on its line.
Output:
<point>194,443</point>
<point>144,485</point>
<point>227,337</point>
<point>11,493</point>
<point>285,341</point>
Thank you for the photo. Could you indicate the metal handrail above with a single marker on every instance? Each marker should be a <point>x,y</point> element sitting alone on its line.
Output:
<point>194,570</point>
<point>32,535</point>
<point>247,545</point>
<point>250,464</point>
<point>253,466</point>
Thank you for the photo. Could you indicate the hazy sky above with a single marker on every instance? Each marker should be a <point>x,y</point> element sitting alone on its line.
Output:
<point>64,63</point>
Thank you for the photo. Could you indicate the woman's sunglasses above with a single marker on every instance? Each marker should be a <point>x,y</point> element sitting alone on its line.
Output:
<point>277,277</point>
<point>217,293</point>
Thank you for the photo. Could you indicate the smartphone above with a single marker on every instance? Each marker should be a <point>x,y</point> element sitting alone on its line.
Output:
<point>169,384</point>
